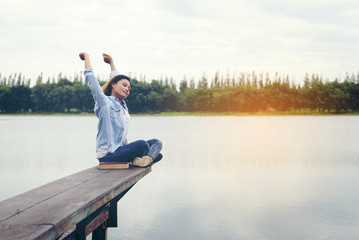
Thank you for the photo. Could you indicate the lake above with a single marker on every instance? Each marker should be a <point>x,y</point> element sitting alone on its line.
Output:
<point>282,177</point>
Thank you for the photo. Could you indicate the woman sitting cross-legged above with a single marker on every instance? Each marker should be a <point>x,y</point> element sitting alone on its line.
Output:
<point>112,112</point>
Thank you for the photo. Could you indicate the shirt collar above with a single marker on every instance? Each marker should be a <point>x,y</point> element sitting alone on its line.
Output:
<point>115,99</point>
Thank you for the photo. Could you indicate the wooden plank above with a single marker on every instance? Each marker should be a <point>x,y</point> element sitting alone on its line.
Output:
<point>33,231</point>
<point>69,235</point>
<point>86,198</point>
<point>95,223</point>
<point>17,204</point>
<point>64,208</point>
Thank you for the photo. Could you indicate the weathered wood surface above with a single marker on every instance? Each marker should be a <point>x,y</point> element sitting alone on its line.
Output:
<point>52,209</point>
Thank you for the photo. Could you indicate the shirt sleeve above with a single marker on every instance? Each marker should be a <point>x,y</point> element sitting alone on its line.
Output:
<point>96,90</point>
<point>114,73</point>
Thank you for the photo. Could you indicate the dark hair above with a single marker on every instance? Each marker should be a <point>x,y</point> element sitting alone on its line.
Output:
<point>115,79</point>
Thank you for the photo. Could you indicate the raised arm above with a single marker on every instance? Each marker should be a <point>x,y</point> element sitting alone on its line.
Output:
<point>108,59</point>
<point>85,57</point>
<point>92,82</point>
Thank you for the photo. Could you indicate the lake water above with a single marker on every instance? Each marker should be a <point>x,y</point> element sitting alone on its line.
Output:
<point>220,178</point>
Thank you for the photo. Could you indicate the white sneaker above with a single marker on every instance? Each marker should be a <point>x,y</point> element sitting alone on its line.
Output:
<point>142,162</point>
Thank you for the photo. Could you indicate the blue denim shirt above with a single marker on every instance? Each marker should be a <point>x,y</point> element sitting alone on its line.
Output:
<point>108,109</point>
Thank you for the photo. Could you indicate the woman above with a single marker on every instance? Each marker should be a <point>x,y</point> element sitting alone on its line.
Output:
<point>112,112</point>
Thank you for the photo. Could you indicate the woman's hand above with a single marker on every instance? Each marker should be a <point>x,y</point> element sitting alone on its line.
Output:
<point>107,58</point>
<point>83,55</point>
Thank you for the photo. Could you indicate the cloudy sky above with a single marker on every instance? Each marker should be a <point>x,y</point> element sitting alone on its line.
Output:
<point>173,38</point>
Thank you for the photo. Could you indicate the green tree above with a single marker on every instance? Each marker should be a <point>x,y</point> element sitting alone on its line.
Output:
<point>183,85</point>
<point>154,101</point>
<point>203,100</point>
<point>19,99</point>
<point>170,99</point>
<point>4,97</point>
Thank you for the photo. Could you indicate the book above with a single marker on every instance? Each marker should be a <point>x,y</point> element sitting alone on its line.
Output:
<point>113,165</point>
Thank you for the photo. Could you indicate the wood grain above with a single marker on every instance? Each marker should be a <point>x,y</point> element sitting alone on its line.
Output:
<point>52,209</point>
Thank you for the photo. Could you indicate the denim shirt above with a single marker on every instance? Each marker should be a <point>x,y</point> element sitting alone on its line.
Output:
<point>113,123</point>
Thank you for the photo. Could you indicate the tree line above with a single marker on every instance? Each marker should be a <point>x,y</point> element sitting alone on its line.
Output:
<point>246,92</point>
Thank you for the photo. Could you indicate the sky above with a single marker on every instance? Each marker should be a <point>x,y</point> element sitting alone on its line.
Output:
<point>156,39</point>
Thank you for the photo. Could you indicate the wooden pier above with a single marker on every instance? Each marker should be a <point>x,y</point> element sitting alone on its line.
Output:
<point>69,208</point>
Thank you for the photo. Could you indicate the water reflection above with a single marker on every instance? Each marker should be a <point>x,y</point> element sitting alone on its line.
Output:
<point>262,142</point>
<point>221,177</point>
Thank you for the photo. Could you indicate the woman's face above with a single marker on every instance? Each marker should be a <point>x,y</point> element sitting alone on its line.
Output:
<point>121,89</point>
